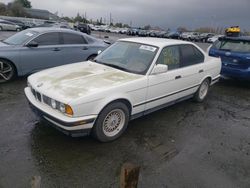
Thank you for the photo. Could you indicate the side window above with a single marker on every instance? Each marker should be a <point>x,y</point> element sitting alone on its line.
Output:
<point>216,45</point>
<point>170,56</point>
<point>48,39</point>
<point>190,55</point>
<point>70,38</point>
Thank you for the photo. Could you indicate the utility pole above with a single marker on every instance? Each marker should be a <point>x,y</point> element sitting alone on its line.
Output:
<point>110,19</point>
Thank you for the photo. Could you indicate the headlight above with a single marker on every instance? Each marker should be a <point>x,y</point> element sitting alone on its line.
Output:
<point>53,103</point>
<point>62,107</point>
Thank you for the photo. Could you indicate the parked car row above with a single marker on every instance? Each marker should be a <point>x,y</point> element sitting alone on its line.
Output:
<point>189,36</point>
<point>6,25</point>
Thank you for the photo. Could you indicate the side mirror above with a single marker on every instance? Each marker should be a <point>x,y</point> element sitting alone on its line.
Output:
<point>99,51</point>
<point>159,68</point>
<point>32,44</point>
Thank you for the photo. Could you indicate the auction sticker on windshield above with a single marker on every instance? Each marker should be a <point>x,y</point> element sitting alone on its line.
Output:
<point>148,48</point>
<point>29,34</point>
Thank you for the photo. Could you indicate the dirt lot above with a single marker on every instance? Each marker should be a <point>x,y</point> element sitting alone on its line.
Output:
<point>186,145</point>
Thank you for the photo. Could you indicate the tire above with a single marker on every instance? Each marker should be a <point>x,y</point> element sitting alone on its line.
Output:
<point>202,92</point>
<point>91,57</point>
<point>7,71</point>
<point>111,122</point>
<point>1,28</point>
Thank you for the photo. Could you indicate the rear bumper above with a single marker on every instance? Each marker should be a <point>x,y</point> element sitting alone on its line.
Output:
<point>243,74</point>
<point>74,127</point>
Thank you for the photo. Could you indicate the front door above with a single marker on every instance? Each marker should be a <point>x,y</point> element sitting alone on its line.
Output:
<point>47,54</point>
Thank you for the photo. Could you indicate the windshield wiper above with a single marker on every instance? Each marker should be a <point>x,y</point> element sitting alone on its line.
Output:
<point>115,66</point>
<point>4,42</point>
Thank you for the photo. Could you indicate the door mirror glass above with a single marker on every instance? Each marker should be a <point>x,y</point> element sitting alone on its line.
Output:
<point>159,68</point>
<point>32,44</point>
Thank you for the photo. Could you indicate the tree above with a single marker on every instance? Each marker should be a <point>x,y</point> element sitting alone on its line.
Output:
<point>16,9</point>
<point>147,27</point>
<point>3,9</point>
<point>182,29</point>
<point>119,25</point>
<point>24,3</point>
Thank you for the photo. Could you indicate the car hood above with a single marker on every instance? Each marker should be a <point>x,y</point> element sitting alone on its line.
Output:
<point>3,45</point>
<point>73,81</point>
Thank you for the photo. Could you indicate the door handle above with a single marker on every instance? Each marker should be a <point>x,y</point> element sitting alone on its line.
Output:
<point>200,71</point>
<point>178,77</point>
<point>56,49</point>
<point>85,48</point>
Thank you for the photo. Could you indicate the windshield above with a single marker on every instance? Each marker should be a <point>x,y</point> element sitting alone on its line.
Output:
<point>128,56</point>
<point>235,46</point>
<point>21,37</point>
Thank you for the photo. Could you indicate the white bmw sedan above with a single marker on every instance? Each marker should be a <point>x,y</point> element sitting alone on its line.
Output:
<point>131,78</point>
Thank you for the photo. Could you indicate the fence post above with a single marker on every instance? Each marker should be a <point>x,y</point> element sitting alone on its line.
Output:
<point>36,182</point>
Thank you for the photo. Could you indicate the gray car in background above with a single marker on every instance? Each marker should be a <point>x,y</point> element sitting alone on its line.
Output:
<point>9,26</point>
<point>35,49</point>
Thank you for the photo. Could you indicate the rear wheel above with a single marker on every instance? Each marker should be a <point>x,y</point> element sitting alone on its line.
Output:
<point>202,92</point>
<point>7,71</point>
<point>112,122</point>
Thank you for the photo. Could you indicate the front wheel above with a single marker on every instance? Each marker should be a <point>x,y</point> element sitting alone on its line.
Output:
<point>7,71</point>
<point>111,122</point>
<point>202,92</point>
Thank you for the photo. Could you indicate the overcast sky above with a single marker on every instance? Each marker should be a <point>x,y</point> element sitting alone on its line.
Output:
<point>166,14</point>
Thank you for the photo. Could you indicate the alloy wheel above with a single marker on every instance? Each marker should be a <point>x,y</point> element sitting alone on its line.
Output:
<point>6,71</point>
<point>113,122</point>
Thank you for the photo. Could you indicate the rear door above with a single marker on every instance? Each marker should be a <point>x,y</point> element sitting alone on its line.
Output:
<point>193,68</point>
<point>47,54</point>
<point>75,48</point>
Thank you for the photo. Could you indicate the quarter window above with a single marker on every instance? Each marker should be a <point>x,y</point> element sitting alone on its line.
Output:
<point>48,39</point>
<point>70,38</point>
<point>190,55</point>
<point>170,56</point>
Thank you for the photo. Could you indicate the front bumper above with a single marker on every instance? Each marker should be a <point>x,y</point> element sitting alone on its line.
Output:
<point>72,126</point>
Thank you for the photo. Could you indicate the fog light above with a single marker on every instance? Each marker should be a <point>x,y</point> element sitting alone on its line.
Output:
<point>53,103</point>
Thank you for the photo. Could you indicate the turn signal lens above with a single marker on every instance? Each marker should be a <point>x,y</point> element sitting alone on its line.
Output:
<point>68,110</point>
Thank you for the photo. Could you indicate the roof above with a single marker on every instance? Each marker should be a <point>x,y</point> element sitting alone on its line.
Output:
<point>241,38</point>
<point>159,42</point>
<point>46,29</point>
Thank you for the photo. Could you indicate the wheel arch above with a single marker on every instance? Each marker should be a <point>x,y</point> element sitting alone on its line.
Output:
<point>209,77</point>
<point>123,100</point>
